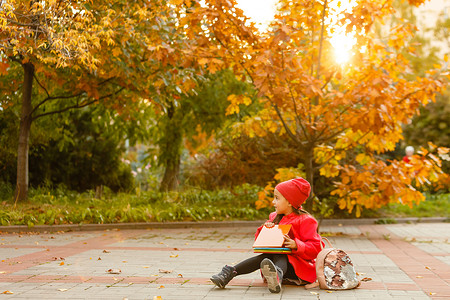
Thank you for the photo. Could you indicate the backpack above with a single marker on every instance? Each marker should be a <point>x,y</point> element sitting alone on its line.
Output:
<point>335,270</point>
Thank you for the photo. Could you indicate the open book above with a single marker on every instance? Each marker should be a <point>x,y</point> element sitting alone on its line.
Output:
<point>271,240</point>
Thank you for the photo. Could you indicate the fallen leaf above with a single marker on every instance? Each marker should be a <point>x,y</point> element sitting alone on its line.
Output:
<point>418,276</point>
<point>329,292</point>
<point>114,271</point>
<point>106,251</point>
<point>154,275</point>
<point>428,268</point>
<point>174,255</point>
<point>165,271</point>
<point>157,298</point>
<point>62,263</point>
<point>366,279</point>
<point>180,276</point>
<point>99,258</point>
<point>58,258</point>
<point>124,261</point>
<point>360,273</point>
<point>162,243</point>
<point>146,267</point>
<point>62,290</point>
<point>8,292</point>
<point>314,293</point>
<point>431,293</point>
<point>2,272</point>
<point>186,243</point>
<point>161,287</point>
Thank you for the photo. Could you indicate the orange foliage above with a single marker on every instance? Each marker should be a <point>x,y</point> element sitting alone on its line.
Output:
<point>328,110</point>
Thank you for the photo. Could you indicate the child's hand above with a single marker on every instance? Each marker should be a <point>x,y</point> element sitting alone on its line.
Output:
<point>289,243</point>
<point>269,224</point>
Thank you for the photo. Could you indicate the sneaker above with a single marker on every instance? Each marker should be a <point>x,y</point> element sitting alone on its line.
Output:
<point>272,274</point>
<point>221,279</point>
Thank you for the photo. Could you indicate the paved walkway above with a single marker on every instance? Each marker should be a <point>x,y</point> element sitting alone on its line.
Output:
<point>403,261</point>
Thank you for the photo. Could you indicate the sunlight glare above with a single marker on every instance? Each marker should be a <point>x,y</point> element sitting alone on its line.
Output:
<point>342,44</point>
<point>260,11</point>
<point>341,41</point>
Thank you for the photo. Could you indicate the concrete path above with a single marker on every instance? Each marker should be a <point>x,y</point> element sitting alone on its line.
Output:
<point>402,261</point>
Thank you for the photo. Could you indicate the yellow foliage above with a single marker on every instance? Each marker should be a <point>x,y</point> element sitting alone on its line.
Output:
<point>235,101</point>
<point>265,196</point>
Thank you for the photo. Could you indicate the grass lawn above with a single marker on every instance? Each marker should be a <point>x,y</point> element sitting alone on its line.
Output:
<point>62,207</point>
<point>437,205</point>
<point>65,207</point>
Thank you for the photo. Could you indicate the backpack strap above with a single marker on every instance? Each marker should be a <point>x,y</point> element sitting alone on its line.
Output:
<point>322,243</point>
<point>312,285</point>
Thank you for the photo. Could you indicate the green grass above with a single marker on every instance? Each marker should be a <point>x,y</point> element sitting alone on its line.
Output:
<point>62,207</point>
<point>435,205</point>
<point>59,206</point>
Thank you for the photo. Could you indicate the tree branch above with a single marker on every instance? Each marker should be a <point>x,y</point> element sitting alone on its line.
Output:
<point>77,105</point>
<point>46,91</point>
<point>321,39</point>
<point>55,98</point>
<point>288,131</point>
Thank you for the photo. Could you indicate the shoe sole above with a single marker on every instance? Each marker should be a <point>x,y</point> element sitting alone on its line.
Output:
<point>271,275</point>
<point>217,283</point>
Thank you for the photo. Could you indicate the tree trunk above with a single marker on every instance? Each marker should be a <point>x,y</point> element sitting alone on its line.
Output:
<point>21,193</point>
<point>170,180</point>
<point>170,149</point>
<point>309,169</point>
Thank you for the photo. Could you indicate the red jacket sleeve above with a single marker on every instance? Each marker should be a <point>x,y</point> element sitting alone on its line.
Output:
<point>271,218</point>
<point>307,239</point>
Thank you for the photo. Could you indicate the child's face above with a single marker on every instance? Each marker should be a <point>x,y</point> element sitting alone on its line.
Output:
<point>282,206</point>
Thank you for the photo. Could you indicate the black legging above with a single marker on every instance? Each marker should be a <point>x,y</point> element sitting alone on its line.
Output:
<point>253,263</point>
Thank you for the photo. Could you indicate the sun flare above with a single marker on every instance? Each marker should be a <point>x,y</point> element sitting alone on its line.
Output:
<point>343,45</point>
<point>262,12</point>
<point>341,41</point>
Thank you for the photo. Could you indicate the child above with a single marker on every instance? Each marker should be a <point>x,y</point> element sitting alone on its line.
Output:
<point>298,267</point>
<point>409,152</point>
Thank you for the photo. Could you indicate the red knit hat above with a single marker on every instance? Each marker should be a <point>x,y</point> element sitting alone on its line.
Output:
<point>296,191</point>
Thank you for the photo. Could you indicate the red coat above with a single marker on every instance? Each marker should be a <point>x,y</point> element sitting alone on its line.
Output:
<point>303,259</point>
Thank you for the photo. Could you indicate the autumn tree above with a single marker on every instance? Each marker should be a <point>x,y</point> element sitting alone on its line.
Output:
<point>341,117</point>
<point>192,120</point>
<point>65,55</point>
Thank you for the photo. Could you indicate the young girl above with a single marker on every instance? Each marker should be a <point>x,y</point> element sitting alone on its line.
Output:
<point>298,267</point>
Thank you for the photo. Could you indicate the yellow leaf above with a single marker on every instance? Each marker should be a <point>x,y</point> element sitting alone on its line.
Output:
<point>116,52</point>
<point>203,61</point>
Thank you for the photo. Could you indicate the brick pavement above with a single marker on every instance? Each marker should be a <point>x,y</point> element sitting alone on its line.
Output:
<point>404,261</point>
